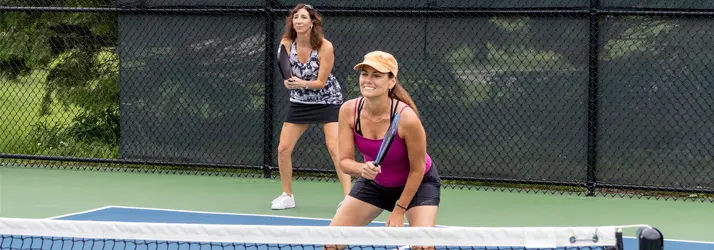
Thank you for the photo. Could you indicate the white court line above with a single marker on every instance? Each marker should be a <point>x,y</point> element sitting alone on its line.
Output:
<point>82,212</point>
<point>291,217</point>
<point>218,213</point>
<point>241,214</point>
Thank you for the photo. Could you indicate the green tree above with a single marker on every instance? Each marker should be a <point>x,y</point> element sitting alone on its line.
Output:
<point>77,50</point>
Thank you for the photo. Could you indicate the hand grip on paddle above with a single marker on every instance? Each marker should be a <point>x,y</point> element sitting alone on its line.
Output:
<point>295,83</point>
<point>370,171</point>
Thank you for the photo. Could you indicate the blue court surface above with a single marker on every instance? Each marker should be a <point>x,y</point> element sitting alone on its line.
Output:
<point>135,214</point>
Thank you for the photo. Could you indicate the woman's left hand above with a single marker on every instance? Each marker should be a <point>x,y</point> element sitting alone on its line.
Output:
<point>296,83</point>
<point>396,218</point>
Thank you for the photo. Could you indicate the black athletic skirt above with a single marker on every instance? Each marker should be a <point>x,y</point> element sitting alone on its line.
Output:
<point>428,193</point>
<point>312,113</point>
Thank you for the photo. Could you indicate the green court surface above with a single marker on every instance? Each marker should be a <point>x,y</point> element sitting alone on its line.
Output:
<point>42,193</point>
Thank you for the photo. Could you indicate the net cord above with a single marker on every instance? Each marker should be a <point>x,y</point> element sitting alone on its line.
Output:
<point>536,237</point>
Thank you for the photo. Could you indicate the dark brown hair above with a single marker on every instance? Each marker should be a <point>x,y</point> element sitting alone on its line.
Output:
<point>317,33</point>
<point>401,94</point>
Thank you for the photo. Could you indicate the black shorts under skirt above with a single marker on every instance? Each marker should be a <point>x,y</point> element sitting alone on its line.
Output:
<point>428,193</point>
<point>312,113</point>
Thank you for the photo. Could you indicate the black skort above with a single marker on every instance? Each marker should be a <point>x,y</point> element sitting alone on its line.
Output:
<point>428,193</point>
<point>312,113</point>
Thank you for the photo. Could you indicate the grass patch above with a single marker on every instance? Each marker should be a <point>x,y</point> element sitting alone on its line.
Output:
<point>20,103</point>
<point>25,131</point>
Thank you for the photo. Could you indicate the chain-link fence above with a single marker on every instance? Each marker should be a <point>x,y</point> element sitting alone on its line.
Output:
<point>593,97</point>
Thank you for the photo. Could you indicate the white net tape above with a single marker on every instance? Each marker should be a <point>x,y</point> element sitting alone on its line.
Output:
<point>530,237</point>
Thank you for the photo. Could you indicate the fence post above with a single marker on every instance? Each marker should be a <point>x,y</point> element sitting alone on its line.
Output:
<point>593,97</point>
<point>268,94</point>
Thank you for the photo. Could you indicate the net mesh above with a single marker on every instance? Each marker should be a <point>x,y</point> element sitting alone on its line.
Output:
<point>57,234</point>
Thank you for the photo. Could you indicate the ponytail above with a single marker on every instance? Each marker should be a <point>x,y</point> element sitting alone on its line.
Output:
<point>401,94</point>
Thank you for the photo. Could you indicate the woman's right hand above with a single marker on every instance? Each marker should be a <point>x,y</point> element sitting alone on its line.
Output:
<point>370,171</point>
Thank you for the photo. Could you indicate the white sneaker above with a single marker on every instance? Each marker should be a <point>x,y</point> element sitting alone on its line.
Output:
<point>283,201</point>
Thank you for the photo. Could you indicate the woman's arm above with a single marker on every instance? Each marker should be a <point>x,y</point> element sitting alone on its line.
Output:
<point>414,135</point>
<point>346,141</point>
<point>327,61</point>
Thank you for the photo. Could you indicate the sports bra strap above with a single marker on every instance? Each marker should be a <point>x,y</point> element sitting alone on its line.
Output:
<point>358,124</point>
<point>405,106</point>
<point>358,106</point>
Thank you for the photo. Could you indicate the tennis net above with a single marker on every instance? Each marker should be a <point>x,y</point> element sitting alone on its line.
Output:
<point>38,234</point>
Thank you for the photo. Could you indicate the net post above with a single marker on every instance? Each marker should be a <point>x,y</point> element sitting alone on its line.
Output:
<point>650,239</point>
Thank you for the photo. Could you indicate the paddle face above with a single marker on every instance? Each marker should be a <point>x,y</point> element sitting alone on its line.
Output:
<point>387,141</point>
<point>283,62</point>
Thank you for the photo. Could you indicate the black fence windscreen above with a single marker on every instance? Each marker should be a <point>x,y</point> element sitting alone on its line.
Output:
<point>656,96</point>
<point>599,97</point>
<point>192,88</point>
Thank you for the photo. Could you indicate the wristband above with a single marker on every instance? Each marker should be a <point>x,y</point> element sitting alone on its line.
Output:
<point>400,206</point>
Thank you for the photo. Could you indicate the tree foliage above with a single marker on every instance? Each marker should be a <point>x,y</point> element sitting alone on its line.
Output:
<point>78,52</point>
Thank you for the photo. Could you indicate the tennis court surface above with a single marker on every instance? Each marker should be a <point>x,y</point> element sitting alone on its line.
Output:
<point>182,212</point>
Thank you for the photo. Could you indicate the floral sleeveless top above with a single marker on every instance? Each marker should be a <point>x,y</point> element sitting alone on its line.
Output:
<point>330,94</point>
